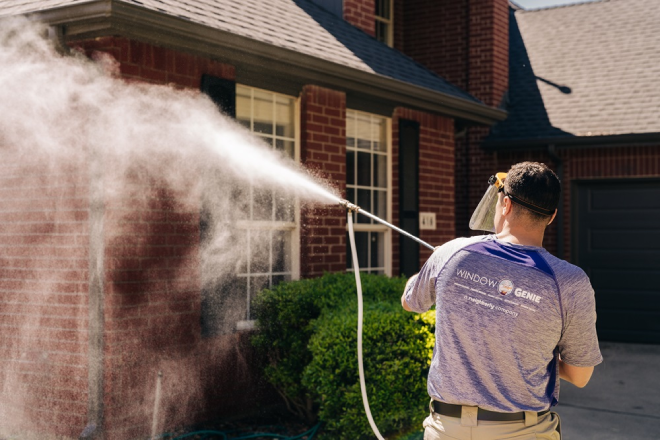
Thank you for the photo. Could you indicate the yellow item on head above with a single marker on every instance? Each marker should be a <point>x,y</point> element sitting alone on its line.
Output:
<point>483,218</point>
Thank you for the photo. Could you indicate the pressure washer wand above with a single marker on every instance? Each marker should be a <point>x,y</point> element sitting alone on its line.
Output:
<point>352,207</point>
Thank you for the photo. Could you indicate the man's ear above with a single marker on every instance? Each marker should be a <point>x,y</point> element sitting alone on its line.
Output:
<point>507,206</point>
<point>553,217</point>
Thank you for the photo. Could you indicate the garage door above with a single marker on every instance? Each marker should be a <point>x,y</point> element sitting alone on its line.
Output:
<point>616,240</point>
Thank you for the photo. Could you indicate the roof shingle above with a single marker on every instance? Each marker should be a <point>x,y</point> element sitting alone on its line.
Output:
<point>585,70</point>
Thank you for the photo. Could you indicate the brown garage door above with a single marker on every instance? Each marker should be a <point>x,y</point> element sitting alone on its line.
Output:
<point>616,240</point>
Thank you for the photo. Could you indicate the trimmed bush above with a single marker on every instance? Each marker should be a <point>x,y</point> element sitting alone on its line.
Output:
<point>397,349</point>
<point>307,330</point>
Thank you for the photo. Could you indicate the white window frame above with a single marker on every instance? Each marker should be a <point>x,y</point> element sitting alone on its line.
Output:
<point>389,23</point>
<point>292,227</point>
<point>377,227</point>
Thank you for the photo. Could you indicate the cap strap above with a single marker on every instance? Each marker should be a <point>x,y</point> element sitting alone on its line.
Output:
<point>530,206</point>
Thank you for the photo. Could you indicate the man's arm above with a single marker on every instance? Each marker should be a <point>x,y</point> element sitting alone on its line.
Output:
<point>404,304</point>
<point>578,376</point>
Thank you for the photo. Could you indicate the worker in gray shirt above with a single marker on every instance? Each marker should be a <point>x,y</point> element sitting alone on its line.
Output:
<point>512,319</point>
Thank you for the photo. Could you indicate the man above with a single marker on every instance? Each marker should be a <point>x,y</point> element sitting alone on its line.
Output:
<point>511,318</point>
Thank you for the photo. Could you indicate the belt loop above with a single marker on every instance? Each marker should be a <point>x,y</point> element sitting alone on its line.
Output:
<point>469,416</point>
<point>531,418</point>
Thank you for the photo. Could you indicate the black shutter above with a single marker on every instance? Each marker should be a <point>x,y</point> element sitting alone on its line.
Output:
<point>409,195</point>
<point>222,92</point>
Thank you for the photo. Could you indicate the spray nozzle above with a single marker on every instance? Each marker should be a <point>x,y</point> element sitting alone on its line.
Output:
<point>348,205</point>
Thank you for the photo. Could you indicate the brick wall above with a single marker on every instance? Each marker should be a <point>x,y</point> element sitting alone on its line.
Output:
<point>43,294</point>
<point>361,14</point>
<point>149,63</point>
<point>323,152</point>
<point>435,34</point>
<point>436,178</point>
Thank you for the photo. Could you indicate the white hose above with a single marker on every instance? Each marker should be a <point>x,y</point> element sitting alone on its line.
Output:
<point>358,283</point>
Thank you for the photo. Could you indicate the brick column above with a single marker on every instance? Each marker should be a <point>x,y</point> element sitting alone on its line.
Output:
<point>361,14</point>
<point>489,50</point>
<point>323,151</point>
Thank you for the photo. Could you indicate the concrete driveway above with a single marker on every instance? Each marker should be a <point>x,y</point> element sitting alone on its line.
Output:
<point>622,400</point>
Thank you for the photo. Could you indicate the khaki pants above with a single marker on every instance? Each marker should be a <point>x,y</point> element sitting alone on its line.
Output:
<point>439,427</point>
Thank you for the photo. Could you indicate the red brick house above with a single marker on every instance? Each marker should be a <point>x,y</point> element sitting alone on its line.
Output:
<point>400,104</point>
<point>389,101</point>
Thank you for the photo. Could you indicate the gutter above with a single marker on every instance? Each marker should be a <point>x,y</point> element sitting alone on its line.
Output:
<point>98,18</point>
<point>575,142</point>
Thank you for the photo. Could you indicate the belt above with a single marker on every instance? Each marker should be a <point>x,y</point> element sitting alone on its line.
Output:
<point>449,410</point>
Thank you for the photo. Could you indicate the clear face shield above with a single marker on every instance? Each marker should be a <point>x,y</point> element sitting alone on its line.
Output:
<point>483,218</point>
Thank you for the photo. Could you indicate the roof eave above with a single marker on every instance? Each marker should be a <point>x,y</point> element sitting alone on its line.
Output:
<point>574,142</point>
<point>107,17</point>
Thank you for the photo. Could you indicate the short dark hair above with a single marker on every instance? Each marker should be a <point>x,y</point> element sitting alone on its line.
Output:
<point>536,184</point>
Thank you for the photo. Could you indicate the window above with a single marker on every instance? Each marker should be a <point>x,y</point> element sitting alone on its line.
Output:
<point>384,27</point>
<point>368,183</point>
<point>266,228</point>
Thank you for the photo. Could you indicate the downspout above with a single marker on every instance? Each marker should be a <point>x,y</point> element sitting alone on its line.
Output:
<point>95,408</point>
<point>552,151</point>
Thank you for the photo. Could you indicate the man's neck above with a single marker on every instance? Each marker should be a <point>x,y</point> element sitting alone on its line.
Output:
<point>521,236</point>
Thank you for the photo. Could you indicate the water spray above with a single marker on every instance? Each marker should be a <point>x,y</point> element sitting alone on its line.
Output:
<point>350,207</point>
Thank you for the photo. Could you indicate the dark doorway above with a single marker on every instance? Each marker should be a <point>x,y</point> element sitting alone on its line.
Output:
<point>409,195</point>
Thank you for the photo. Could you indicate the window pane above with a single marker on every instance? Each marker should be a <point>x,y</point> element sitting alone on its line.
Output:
<point>380,133</point>
<point>383,8</point>
<point>243,109</point>
<point>364,131</point>
<point>241,263</point>
<point>284,209</point>
<point>381,32</point>
<point>377,249</point>
<point>284,116</point>
<point>380,171</point>
<point>350,167</point>
<point>364,202</point>
<point>286,147</point>
<point>350,195</point>
<point>266,140</point>
<point>350,125</point>
<point>262,204</point>
<point>263,112</point>
<point>223,305</point>
<point>362,248</point>
<point>259,252</point>
<point>257,284</point>
<point>364,144</point>
<point>281,251</point>
<point>364,169</point>
<point>380,204</point>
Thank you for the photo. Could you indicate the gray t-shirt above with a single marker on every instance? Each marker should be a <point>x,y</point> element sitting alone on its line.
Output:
<point>504,314</point>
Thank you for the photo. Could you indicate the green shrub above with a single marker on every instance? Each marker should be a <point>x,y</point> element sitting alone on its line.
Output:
<point>397,349</point>
<point>284,316</point>
<point>307,330</point>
